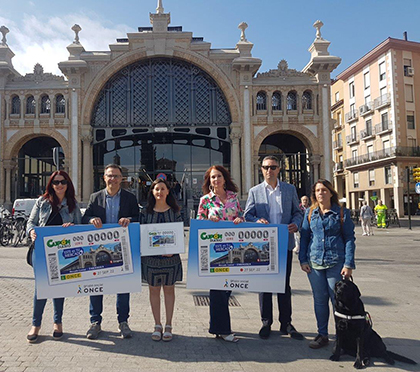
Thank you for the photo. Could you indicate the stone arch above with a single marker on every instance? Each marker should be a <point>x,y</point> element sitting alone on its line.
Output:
<point>131,57</point>
<point>14,144</point>
<point>299,131</point>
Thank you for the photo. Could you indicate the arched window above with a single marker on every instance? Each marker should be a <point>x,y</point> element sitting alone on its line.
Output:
<point>45,105</point>
<point>15,105</point>
<point>261,101</point>
<point>276,101</point>
<point>307,100</point>
<point>292,100</point>
<point>60,104</point>
<point>30,105</point>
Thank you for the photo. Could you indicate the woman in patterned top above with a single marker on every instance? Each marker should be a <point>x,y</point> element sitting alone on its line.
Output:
<point>220,203</point>
<point>161,271</point>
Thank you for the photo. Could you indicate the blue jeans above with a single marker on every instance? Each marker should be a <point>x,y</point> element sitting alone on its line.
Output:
<point>96,307</point>
<point>39,306</point>
<point>322,283</point>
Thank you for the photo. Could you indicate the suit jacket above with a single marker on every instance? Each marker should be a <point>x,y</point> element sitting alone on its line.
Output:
<point>257,206</point>
<point>97,206</point>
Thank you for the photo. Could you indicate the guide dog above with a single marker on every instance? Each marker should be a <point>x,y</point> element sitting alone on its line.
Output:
<point>354,333</point>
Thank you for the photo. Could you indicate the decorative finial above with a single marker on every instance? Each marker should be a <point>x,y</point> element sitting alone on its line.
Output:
<point>243,26</point>
<point>76,28</point>
<point>4,30</point>
<point>318,24</point>
<point>38,69</point>
<point>159,9</point>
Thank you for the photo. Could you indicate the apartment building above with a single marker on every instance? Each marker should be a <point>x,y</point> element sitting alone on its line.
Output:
<point>377,95</point>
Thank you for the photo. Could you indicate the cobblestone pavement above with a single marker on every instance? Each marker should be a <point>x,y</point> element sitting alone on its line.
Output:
<point>387,274</point>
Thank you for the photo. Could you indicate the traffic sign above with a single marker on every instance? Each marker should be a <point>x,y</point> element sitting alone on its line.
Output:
<point>418,187</point>
<point>374,198</point>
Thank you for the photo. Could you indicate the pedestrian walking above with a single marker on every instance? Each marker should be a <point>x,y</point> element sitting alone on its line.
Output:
<point>366,215</point>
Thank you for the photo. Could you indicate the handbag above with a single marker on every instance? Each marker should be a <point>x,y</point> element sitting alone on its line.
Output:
<point>29,253</point>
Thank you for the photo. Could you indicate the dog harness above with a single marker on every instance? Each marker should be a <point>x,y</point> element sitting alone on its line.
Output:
<point>349,317</point>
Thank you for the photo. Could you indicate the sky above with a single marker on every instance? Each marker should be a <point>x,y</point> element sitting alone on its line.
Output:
<point>40,30</point>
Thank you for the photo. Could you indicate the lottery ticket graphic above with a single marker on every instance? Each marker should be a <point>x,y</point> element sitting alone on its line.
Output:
<point>238,251</point>
<point>162,238</point>
<point>88,255</point>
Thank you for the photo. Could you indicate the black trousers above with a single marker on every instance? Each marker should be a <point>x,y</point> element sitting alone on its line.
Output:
<point>219,312</point>
<point>284,300</point>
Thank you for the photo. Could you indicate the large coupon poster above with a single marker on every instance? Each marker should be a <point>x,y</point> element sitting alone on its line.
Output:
<point>83,260</point>
<point>248,257</point>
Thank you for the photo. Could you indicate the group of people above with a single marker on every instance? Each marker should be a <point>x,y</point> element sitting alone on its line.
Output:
<point>326,253</point>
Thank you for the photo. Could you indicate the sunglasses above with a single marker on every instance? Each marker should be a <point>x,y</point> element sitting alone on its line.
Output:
<point>267,167</point>
<point>57,182</point>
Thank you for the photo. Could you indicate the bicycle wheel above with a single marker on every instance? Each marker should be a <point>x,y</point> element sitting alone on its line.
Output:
<point>4,235</point>
<point>20,234</point>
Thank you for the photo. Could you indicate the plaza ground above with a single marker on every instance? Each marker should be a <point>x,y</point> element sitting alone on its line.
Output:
<point>387,275</point>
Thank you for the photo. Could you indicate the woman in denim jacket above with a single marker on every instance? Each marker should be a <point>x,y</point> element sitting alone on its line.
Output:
<point>326,251</point>
<point>57,206</point>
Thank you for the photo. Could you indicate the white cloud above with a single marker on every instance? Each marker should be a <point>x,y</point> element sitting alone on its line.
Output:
<point>44,41</point>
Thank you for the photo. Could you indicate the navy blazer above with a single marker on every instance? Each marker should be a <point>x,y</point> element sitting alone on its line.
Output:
<point>257,206</point>
<point>129,207</point>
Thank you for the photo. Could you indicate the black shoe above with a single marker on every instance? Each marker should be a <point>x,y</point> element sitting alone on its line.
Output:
<point>291,331</point>
<point>265,332</point>
<point>57,335</point>
<point>318,342</point>
<point>32,338</point>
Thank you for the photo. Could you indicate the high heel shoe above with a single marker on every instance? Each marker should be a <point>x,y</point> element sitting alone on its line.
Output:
<point>58,331</point>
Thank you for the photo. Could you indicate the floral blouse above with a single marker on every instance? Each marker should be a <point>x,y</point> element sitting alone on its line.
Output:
<point>210,204</point>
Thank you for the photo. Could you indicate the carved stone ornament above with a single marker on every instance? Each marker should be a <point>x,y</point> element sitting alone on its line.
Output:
<point>159,9</point>
<point>282,70</point>
<point>4,31</point>
<point>318,24</point>
<point>39,75</point>
<point>243,26</point>
<point>76,28</point>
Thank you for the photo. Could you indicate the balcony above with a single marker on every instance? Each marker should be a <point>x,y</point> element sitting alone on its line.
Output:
<point>352,139</point>
<point>383,127</point>
<point>366,134</point>
<point>382,101</point>
<point>366,109</point>
<point>351,116</point>
<point>383,154</point>
<point>338,144</point>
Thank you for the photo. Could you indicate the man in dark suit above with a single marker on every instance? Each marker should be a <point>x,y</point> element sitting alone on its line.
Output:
<point>111,205</point>
<point>276,202</point>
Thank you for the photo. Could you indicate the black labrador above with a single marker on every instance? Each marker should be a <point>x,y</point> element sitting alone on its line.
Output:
<point>354,333</point>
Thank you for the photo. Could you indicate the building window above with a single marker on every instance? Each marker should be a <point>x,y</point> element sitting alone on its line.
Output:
<point>409,93</point>
<point>15,105</point>
<point>382,71</point>
<point>30,105</point>
<point>292,101</point>
<point>261,101</point>
<point>307,100</point>
<point>353,135</point>
<point>60,104</point>
<point>410,120</point>
<point>339,119</point>
<point>382,94</point>
<point>384,121</point>
<point>370,152</point>
<point>337,96</point>
<point>351,89</point>
<point>366,80</point>
<point>388,175</point>
<point>411,142</point>
<point>386,149</point>
<point>354,154</point>
<point>45,105</point>
<point>371,177</point>
<point>407,65</point>
<point>369,127</point>
<point>356,180</point>
<point>367,101</point>
<point>353,109</point>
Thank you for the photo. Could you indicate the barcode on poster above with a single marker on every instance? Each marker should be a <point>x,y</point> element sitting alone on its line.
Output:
<point>52,263</point>
<point>204,258</point>
<point>273,256</point>
<point>124,249</point>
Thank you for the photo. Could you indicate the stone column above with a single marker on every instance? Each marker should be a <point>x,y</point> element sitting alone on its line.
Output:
<point>256,166</point>
<point>246,145</point>
<point>326,132</point>
<point>315,161</point>
<point>8,165</point>
<point>235,163</point>
<point>87,186</point>
<point>22,110</point>
<point>74,141</point>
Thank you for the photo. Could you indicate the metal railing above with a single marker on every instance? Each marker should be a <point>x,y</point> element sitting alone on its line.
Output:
<point>352,138</point>
<point>383,154</point>
<point>383,100</point>
<point>352,115</point>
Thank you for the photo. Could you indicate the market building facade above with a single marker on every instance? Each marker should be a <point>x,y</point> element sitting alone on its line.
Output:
<point>163,103</point>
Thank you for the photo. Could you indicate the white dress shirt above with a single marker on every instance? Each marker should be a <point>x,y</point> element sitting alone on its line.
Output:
<point>274,202</point>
